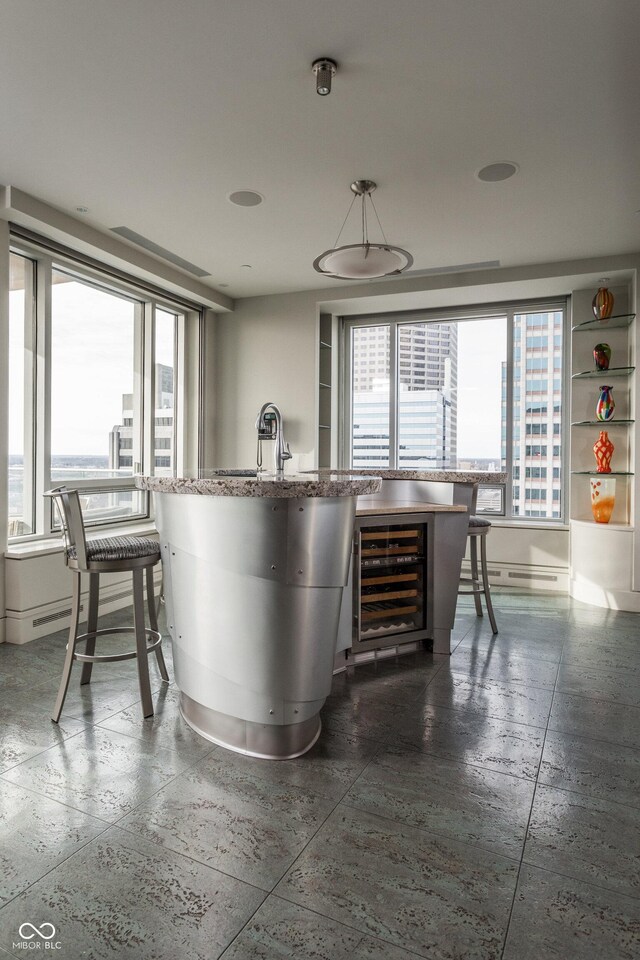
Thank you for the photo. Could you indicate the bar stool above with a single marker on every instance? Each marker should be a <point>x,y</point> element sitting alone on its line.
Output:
<point>108,555</point>
<point>479,530</point>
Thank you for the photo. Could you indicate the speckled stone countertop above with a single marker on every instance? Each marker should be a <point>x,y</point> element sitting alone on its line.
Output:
<point>439,476</point>
<point>244,483</point>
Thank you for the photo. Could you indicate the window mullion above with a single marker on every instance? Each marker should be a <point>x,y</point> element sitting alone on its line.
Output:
<point>394,381</point>
<point>144,387</point>
<point>179,394</point>
<point>42,395</point>
<point>509,418</point>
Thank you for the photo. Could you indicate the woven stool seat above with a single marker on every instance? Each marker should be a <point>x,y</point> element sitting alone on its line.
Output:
<point>118,548</point>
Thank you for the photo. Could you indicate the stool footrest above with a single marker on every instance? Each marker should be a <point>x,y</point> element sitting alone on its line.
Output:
<point>152,635</point>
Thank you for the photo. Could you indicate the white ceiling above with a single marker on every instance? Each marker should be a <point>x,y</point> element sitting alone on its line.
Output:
<point>150,112</point>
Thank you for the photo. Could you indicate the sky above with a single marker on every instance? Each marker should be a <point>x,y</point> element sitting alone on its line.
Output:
<point>92,350</point>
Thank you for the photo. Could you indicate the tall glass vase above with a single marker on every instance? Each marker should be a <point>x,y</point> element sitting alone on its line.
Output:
<point>606,405</point>
<point>603,451</point>
<point>602,304</point>
<point>603,498</point>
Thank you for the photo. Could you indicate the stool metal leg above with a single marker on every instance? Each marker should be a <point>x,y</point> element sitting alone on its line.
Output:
<point>475,576</point>
<point>141,644</point>
<point>153,623</point>
<point>485,584</point>
<point>68,660</point>
<point>92,625</point>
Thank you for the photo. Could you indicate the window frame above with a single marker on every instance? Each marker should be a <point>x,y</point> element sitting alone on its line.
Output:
<point>47,258</point>
<point>508,309</point>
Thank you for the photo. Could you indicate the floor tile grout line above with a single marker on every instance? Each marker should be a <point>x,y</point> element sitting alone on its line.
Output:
<point>107,827</point>
<point>526,832</point>
<point>39,753</point>
<point>587,883</point>
<point>63,803</point>
<point>363,934</point>
<point>432,833</point>
<point>186,856</point>
<point>588,796</point>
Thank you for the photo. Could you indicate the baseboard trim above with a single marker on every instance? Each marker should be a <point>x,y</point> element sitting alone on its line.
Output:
<point>23,626</point>
<point>525,576</point>
<point>609,599</point>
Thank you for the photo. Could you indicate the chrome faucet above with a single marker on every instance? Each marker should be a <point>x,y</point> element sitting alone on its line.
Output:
<point>269,427</point>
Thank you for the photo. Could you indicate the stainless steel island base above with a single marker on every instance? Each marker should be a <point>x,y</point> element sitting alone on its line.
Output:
<point>271,742</point>
<point>253,588</point>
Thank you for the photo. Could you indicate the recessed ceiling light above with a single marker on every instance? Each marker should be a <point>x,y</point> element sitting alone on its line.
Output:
<point>246,198</point>
<point>494,172</point>
<point>82,209</point>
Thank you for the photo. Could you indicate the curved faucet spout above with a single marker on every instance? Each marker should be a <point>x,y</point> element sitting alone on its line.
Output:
<point>266,431</point>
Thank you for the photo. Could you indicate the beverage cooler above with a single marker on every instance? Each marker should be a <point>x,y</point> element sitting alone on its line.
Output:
<point>390,583</point>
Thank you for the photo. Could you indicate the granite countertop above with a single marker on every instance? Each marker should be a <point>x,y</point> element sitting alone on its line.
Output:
<point>245,483</point>
<point>439,476</point>
<point>378,507</point>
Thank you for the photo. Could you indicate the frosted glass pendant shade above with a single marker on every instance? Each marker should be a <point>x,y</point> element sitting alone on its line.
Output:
<point>363,261</point>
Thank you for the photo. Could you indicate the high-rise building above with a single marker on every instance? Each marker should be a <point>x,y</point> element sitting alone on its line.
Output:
<point>427,381</point>
<point>121,437</point>
<point>537,414</point>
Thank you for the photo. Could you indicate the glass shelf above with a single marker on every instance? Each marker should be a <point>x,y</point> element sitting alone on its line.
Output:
<point>621,320</point>
<point>603,374</point>
<point>594,473</point>
<point>601,423</point>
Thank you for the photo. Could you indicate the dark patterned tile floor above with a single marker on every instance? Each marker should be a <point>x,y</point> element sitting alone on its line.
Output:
<point>478,807</point>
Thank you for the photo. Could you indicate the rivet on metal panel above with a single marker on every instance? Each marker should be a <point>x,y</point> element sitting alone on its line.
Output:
<point>299,571</point>
<point>300,509</point>
<point>271,712</point>
<point>274,508</point>
<point>273,566</point>
<point>295,711</point>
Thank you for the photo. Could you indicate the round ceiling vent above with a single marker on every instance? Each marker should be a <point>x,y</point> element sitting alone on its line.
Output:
<point>246,198</point>
<point>494,172</point>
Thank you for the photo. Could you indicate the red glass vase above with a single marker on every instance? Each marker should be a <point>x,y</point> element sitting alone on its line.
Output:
<point>603,450</point>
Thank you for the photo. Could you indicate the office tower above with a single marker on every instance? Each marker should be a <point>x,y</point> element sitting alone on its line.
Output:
<point>121,437</point>
<point>427,381</point>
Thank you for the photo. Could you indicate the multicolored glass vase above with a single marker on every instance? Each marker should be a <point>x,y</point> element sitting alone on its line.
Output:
<point>606,406</point>
<point>603,498</point>
<point>603,450</point>
<point>602,304</point>
<point>602,356</point>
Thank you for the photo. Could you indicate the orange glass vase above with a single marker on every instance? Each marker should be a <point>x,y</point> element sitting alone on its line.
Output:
<point>603,450</point>
<point>603,498</point>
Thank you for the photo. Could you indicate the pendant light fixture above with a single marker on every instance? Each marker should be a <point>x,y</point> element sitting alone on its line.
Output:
<point>365,260</point>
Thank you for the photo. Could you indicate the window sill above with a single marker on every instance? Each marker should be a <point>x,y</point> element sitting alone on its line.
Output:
<point>44,547</point>
<point>517,524</point>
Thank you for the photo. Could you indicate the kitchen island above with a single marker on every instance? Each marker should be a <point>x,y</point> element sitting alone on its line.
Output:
<point>254,571</point>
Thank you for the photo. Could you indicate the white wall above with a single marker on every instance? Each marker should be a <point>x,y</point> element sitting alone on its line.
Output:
<point>265,351</point>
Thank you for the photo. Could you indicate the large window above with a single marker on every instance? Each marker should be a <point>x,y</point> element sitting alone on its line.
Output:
<point>477,390</point>
<point>93,367</point>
